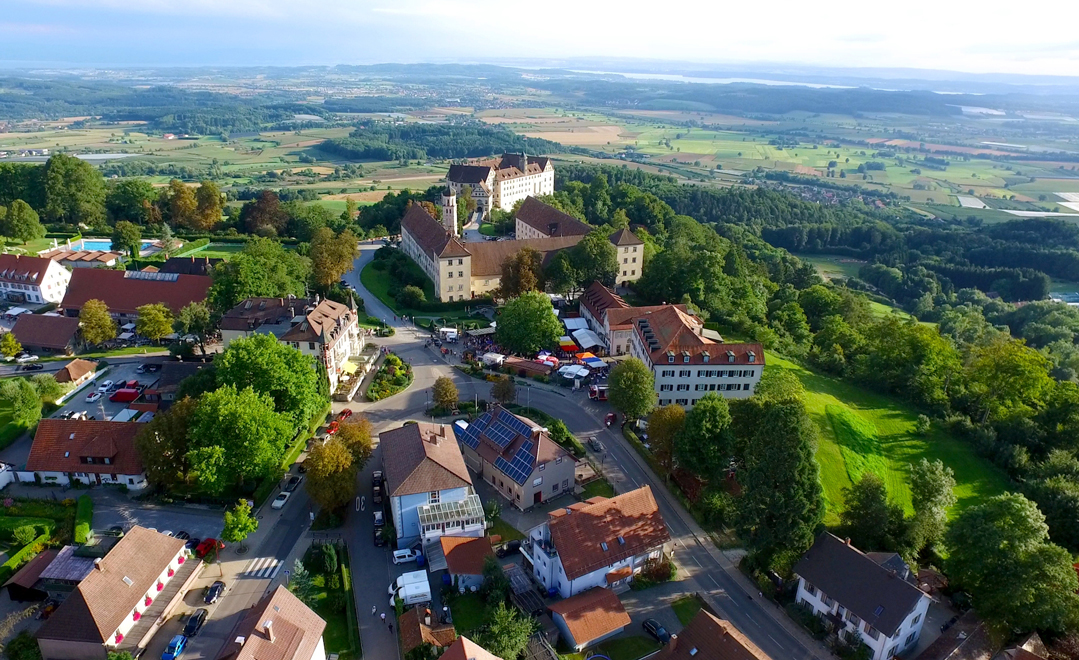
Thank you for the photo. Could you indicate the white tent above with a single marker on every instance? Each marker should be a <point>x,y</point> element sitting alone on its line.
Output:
<point>15,311</point>
<point>126,335</point>
<point>575,324</point>
<point>573,371</point>
<point>128,326</point>
<point>493,359</point>
<point>586,339</point>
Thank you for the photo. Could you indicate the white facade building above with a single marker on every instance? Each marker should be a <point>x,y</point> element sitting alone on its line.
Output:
<point>866,598</point>
<point>502,182</point>
<point>331,334</point>
<point>599,543</point>
<point>32,279</point>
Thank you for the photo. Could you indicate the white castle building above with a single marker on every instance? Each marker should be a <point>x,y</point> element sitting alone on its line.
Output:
<point>499,183</point>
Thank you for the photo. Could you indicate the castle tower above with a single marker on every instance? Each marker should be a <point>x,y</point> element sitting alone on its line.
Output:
<point>449,210</point>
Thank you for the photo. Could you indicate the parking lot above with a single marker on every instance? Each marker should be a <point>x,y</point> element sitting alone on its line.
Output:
<point>197,523</point>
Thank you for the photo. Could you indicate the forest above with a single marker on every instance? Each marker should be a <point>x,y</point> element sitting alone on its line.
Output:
<point>380,140</point>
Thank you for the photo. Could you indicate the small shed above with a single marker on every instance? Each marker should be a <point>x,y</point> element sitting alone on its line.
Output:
<point>23,586</point>
<point>465,557</point>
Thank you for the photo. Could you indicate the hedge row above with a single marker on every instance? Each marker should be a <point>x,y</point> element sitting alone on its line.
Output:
<point>84,517</point>
<point>20,558</point>
<point>8,525</point>
<point>192,247</point>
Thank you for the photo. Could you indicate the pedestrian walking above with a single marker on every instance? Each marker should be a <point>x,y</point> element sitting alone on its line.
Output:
<point>383,615</point>
<point>374,610</point>
<point>391,628</point>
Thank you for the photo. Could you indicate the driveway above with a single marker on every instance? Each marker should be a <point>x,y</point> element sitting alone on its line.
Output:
<point>199,523</point>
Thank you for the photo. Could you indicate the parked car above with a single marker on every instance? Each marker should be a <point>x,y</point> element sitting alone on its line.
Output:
<point>344,414</point>
<point>195,622</point>
<point>141,369</point>
<point>192,543</point>
<point>207,546</point>
<point>379,520</point>
<point>376,478</point>
<point>301,468</point>
<point>215,591</point>
<point>175,647</point>
<point>182,535</point>
<point>33,367</point>
<point>405,556</point>
<point>332,428</point>
<point>124,395</point>
<point>280,501</point>
<point>595,444</point>
<point>376,494</point>
<point>105,387</point>
<point>26,358</point>
<point>153,368</point>
<point>509,548</point>
<point>293,483</point>
<point>656,629</point>
<point>93,397</point>
<point>379,541</point>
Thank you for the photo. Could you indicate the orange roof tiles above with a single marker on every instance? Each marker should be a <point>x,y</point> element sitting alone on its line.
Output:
<point>592,614</point>
<point>61,444</point>
<point>465,555</point>
<point>708,637</point>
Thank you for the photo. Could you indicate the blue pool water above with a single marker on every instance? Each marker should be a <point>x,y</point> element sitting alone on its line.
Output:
<point>99,244</point>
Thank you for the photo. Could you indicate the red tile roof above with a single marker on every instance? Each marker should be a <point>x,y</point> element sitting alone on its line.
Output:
<point>328,317</point>
<point>592,614</point>
<point>52,332</point>
<point>549,220</point>
<point>422,458</point>
<point>123,291</point>
<point>430,235</point>
<point>75,370</point>
<point>624,236</point>
<point>296,630</point>
<point>414,631</point>
<point>24,270</point>
<point>598,298</point>
<point>465,555</point>
<point>464,648</point>
<point>707,637</point>
<point>60,444</point>
<point>487,256</point>
<point>579,536</point>
<point>677,332</point>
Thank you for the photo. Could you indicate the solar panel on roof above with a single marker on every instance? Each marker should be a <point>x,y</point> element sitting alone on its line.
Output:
<point>515,425</point>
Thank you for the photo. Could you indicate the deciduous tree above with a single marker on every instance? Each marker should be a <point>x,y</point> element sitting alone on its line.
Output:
<point>872,523</point>
<point>21,395</point>
<point>48,390</point>
<point>207,206</point>
<point>196,319</point>
<point>507,631</point>
<point>264,215</point>
<point>528,324</point>
<point>21,222</point>
<point>561,275</point>
<point>239,524</point>
<point>9,346</point>
<point>154,321</point>
<point>162,444</point>
<point>331,256</point>
<point>74,192</point>
<point>999,552</point>
<point>357,435</point>
<point>182,205</point>
<point>631,388</point>
<point>444,393</point>
<point>275,369</point>
<point>263,268</point>
<point>705,446</point>
<point>595,258</point>
<point>664,425</point>
<point>521,272</point>
<point>130,199</point>
<point>1006,377</point>
<point>127,236</point>
<point>95,322</point>
<point>504,390</point>
<point>931,494</point>
<point>331,475</point>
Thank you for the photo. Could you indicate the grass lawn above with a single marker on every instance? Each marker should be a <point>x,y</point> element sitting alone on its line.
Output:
<point>598,488</point>
<point>381,285</point>
<point>468,613</point>
<point>620,648</point>
<point>336,633</point>
<point>861,430</point>
<point>487,229</point>
<point>219,250</point>
<point>685,608</point>
<point>506,531</point>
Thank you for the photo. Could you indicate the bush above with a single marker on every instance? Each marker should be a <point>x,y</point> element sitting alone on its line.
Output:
<point>655,571</point>
<point>84,518</point>
<point>10,524</point>
<point>23,647</point>
<point>411,297</point>
<point>17,560</point>
<point>25,534</point>
<point>923,425</point>
<point>716,508</point>
<point>392,377</point>
<point>809,621</point>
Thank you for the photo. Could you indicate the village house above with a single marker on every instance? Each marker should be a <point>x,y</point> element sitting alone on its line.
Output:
<point>90,452</point>
<point>278,627</point>
<point>865,601</point>
<point>538,220</point>
<point>76,372</point>
<point>33,280</point>
<point>83,258</point>
<point>190,265</point>
<point>461,271</point>
<point>124,291</point>
<point>464,648</point>
<point>602,542</point>
<point>516,456</point>
<point>329,332</point>
<point>123,601</point>
<point>589,617</point>
<point>499,183</point>
<point>47,333</point>
<point>465,557</point>
<point>268,316</point>
<point>428,485</point>
<point>611,317</point>
<point>418,627</point>
<point>707,637</point>
<point>163,391</point>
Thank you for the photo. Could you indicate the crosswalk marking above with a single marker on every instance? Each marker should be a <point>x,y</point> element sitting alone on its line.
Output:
<point>262,567</point>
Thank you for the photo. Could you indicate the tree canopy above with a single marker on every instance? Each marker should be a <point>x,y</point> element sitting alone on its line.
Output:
<point>631,388</point>
<point>96,323</point>
<point>263,268</point>
<point>528,324</point>
<point>275,369</point>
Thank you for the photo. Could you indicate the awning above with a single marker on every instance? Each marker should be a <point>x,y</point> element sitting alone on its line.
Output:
<point>15,311</point>
<point>567,344</point>
<point>586,338</point>
<point>479,332</point>
<point>128,326</point>
<point>575,324</point>
<point>349,367</point>
<point>584,355</point>
<point>573,371</point>
<point>126,335</point>
<point>595,363</point>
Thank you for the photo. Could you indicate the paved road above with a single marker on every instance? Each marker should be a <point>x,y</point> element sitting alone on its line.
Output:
<point>710,572</point>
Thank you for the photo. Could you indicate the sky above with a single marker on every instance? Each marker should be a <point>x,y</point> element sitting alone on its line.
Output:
<point>989,36</point>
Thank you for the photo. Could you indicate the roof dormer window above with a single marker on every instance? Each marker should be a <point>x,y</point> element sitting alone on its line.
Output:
<point>730,357</point>
<point>705,356</point>
<point>670,357</point>
<point>752,356</point>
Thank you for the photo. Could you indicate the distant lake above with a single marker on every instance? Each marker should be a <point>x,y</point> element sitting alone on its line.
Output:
<point>677,77</point>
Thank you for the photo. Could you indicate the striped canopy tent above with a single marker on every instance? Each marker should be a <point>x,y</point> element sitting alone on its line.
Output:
<point>567,344</point>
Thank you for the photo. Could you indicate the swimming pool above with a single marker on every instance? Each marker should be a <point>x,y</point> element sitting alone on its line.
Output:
<point>100,244</point>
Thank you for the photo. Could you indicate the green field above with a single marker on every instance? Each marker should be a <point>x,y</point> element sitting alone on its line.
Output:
<point>832,267</point>
<point>219,250</point>
<point>860,431</point>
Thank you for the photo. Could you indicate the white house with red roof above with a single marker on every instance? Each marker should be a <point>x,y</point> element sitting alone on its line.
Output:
<point>32,279</point>
<point>502,182</point>
<point>86,451</point>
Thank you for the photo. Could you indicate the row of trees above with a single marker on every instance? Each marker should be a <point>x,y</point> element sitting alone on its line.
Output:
<point>154,322</point>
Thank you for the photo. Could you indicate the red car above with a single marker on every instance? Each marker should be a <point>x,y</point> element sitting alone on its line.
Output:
<point>332,428</point>
<point>207,546</point>
<point>344,414</point>
<point>610,419</point>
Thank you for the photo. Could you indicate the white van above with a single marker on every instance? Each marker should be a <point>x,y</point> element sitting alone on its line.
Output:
<point>414,577</point>
<point>413,594</point>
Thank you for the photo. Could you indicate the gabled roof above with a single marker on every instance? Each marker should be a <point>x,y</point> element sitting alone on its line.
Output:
<point>464,648</point>
<point>74,370</point>
<point>622,318</point>
<point>707,637</point>
<point>125,290</point>
<point>60,443</point>
<point>422,458</point>
<point>174,373</point>
<point>324,321</point>
<point>23,270</point>
<point>465,555</point>
<point>430,235</point>
<point>591,614</point>
<point>415,631</point>
<point>968,639</point>
<point>189,265</point>
<point>487,256</point>
<point>878,596</point>
<point>252,313</point>
<point>470,174</point>
<point>97,607</point>
<point>549,220</point>
<point>28,575</point>
<point>512,444</point>
<point>54,332</point>
<point>580,535</point>
<point>671,330</point>
<point>624,236</point>
<point>598,299</point>
<point>296,630</point>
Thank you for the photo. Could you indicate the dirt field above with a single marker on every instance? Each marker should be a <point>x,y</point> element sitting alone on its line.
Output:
<point>366,196</point>
<point>702,117</point>
<point>582,136</point>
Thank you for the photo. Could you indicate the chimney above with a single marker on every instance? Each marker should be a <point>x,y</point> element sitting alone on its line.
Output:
<point>268,629</point>
<point>427,617</point>
<point>97,564</point>
<point>847,540</point>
